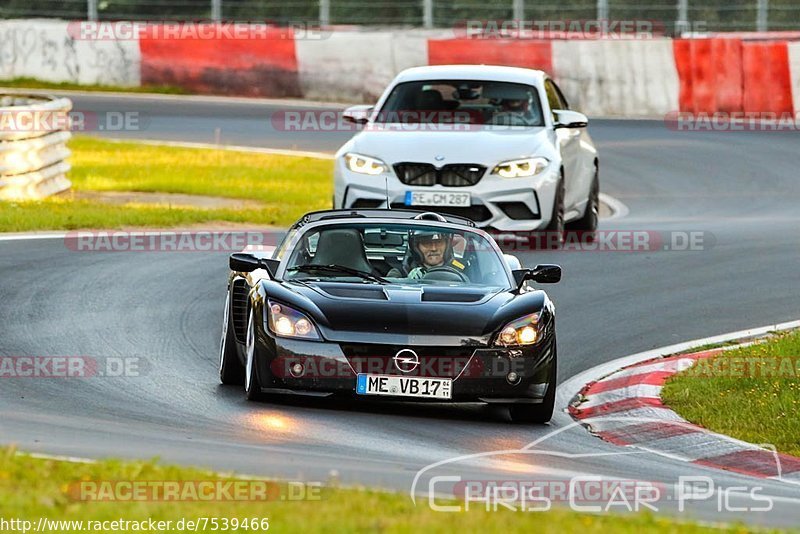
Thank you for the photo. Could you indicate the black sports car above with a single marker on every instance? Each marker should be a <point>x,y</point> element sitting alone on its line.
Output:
<point>394,305</point>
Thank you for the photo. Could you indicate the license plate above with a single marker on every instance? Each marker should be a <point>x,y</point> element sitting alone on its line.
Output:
<point>404,386</point>
<point>437,198</point>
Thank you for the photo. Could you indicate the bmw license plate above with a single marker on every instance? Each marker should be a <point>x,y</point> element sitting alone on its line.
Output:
<point>437,198</point>
<point>404,386</point>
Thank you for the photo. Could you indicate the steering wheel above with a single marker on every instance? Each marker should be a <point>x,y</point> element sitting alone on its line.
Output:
<point>445,273</point>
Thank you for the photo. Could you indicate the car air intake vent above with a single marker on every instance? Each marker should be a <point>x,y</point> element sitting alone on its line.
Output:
<point>477,212</point>
<point>425,174</point>
<point>239,293</point>
<point>432,295</point>
<point>356,293</point>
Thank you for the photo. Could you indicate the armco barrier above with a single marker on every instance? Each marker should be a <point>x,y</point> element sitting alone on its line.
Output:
<point>33,136</point>
<point>768,85</point>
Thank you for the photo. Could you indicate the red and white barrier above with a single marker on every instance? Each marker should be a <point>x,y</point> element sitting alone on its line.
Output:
<point>606,77</point>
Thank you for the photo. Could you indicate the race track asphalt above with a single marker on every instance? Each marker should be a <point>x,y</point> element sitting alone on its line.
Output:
<point>740,191</point>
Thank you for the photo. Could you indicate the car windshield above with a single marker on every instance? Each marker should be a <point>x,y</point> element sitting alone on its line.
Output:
<point>460,101</point>
<point>396,253</point>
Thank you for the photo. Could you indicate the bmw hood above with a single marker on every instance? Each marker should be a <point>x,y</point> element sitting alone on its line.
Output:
<point>485,146</point>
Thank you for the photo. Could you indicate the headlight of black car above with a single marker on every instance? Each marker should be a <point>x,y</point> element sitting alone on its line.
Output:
<point>285,321</point>
<point>524,331</point>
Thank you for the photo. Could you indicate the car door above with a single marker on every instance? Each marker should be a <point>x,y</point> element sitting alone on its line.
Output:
<point>569,144</point>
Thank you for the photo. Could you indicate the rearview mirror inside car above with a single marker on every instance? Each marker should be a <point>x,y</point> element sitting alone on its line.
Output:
<point>570,119</point>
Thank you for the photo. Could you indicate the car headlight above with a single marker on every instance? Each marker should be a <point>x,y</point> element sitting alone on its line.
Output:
<point>285,321</point>
<point>364,164</point>
<point>524,331</point>
<point>519,168</point>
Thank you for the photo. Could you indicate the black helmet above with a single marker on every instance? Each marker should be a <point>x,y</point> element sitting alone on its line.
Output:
<point>418,234</point>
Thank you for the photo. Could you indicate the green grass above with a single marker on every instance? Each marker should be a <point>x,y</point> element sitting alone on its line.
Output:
<point>33,83</point>
<point>752,393</point>
<point>31,488</point>
<point>287,186</point>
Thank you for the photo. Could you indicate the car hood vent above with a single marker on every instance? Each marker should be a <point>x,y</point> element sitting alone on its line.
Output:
<point>433,295</point>
<point>356,292</point>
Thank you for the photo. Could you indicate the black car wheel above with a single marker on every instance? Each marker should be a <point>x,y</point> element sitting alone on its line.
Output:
<point>556,224</point>
<point>587,225</point>
<point>230,368</point>
<point>539,413</point>
<point>252,384</point>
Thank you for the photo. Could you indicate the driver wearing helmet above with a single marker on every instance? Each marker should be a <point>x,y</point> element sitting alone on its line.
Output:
<point>427,249</point>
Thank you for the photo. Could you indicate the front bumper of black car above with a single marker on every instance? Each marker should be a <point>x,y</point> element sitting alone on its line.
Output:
<point>478,374</point>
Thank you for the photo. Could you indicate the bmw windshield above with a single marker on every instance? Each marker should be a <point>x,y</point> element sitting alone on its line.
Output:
<point>396,253</point>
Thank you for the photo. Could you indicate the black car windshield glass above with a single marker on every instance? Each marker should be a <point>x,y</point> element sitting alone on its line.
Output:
<point>396,253</point>
<point>463,102</point>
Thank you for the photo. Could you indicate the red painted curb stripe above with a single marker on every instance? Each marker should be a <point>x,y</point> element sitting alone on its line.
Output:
<point>654,378</point>
<point>638,433</point>
<point>758,463</point>
<point>618,406</point>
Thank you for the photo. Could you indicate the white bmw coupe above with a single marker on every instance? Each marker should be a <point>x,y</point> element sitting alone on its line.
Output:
<point>498,145</point>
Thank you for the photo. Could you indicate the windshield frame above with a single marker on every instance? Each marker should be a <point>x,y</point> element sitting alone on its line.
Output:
<point>298,236</point>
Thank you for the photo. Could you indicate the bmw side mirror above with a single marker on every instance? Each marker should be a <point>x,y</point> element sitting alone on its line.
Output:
<point>357,114</point>
<point>247,263</point>
<point>542,274</point>
<point>570,119</point>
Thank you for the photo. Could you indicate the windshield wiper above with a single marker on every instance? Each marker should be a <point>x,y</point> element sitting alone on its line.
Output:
<point>338,269</point>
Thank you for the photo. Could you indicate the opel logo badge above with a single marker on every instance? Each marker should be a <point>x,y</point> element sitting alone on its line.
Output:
<point>406,360</point>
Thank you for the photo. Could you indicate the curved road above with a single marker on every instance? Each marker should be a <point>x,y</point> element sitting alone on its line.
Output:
<point>739,189</point>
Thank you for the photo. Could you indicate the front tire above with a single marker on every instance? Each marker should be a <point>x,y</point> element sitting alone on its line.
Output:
<point>231,371</point>
<point>539,413</point>
<point>556,224</point>
<point>252,383</point>
<point>587,225</point>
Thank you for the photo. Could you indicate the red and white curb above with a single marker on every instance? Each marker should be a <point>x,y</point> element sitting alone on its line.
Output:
<point>625,408</point>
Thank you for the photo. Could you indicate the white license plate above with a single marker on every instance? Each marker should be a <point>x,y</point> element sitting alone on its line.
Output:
<point>404,386</point>
<point>437,198</point>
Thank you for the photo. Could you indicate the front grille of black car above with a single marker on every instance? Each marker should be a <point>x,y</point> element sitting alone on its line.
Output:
<point>453,175</point>
<point>477,213</point>
<point>438,362</point>
<point>238,310</point>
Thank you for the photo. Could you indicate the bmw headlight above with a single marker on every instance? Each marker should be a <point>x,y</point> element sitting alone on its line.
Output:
<point>364,164</point>
<point>524,331</point>
<point>520,168</point>
<point>285,321</point>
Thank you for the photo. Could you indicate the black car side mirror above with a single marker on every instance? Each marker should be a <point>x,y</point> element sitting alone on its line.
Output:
<point>543,274</point>
<point>247,263</point>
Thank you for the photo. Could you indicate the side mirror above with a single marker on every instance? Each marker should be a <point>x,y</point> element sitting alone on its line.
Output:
<point>542,274</point>
<point>247,263</point>
<point>357,114</point>
<point>570,119</point>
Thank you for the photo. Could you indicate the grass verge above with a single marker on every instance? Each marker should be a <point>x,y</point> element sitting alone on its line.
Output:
<point>33,83</point>
<point>287,186</point>
<point>751,393</point>
<point>31,488</point>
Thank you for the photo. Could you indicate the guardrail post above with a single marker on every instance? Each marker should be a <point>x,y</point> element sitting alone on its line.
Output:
<point>324,12</point>
<point>216,10</point>
<point>682,24</point>
<point>91,9</point>
<point>427,13</point>
<point>518,7</point>
<point>762,16</point>
<point>602,9</point>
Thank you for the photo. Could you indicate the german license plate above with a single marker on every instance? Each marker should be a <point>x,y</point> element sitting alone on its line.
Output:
<point>437,198</point>
<point>404,386</point>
